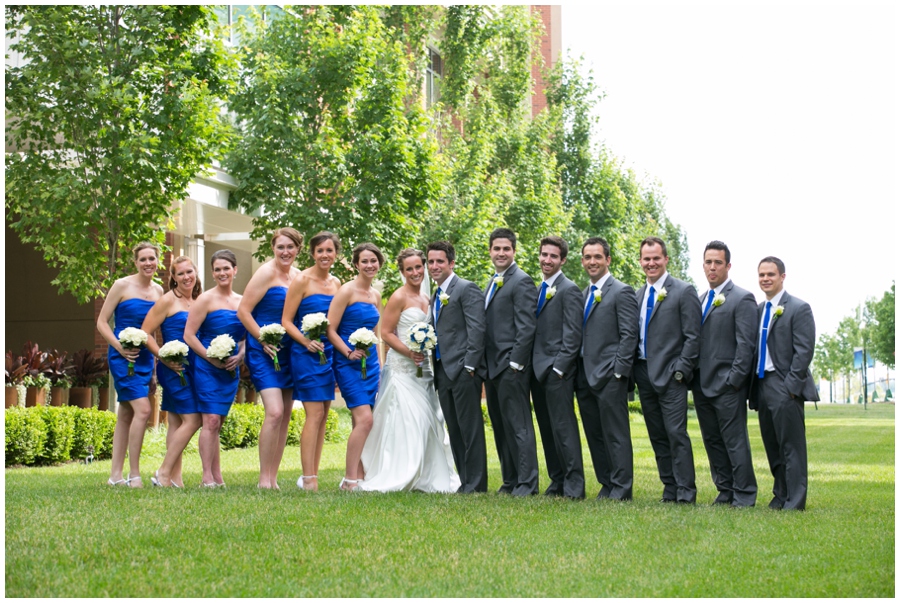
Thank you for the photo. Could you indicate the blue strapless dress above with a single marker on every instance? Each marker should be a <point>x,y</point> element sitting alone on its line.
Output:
<point>262,368</point>
<point>313,382</point>
<point>356,390</point>
<point>177,398</point>
<point>215,388</point>
<point>131,313</point>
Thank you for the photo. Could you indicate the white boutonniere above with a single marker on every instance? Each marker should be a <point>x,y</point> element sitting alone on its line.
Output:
<point>498,281</point>
<point>779,310</point>
<point>662,294</point>
<point>718,300</point>
<point>444,299</point>
<point>551,291</point>
<point>597,297</point>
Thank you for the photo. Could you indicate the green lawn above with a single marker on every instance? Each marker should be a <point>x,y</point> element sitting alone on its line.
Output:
<point>69,535</point>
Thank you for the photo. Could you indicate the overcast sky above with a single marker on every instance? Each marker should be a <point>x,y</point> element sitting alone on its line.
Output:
<point>771,127</point>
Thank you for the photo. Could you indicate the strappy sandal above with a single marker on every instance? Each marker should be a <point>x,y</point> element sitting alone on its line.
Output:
<point>131,479</point>
<point>121,482</point>
<point>352,482</point>
<point>301,482</point>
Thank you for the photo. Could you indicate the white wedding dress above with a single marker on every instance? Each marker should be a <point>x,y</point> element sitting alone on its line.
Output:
<point>407,448</point>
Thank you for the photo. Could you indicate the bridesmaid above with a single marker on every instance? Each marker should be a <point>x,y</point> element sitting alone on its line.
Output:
<point>263,304</point>
<point>130,298</point>
<point>357,305</point>
<point>170,315</point>
<point>312,292</point>
<point>214,314</point>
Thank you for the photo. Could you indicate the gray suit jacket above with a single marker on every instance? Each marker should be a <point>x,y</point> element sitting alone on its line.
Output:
<point>610,333</point>
<point>673,334</point>
<point>727,343</point>
<point>557,337</point>
<point>791,342</point>
<point>460,327</point>
<point>510,321</point>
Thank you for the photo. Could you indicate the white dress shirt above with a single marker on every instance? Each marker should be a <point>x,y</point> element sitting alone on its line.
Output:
<point>659,284</point>
<point>770,366</point>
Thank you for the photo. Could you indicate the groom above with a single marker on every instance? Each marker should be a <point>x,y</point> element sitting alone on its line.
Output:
<point>457,314</point>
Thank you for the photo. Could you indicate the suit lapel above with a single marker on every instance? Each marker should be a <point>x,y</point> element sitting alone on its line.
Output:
<point>509,272</point>
<point>658,301</point>
<point>448,291</point>
<point>603,291</point>
<point>725,290</point>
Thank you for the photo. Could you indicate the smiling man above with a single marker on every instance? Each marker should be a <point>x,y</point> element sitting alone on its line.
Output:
<point>666,356</point>
<point>727,345</point>
<point>510,299</point>
<point>782,383</point>
<point>557,340</point>
<point>610,326</point>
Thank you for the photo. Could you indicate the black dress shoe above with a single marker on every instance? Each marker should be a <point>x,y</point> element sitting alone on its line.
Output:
<point>735,505</point>
<point>667,500</point>
<point>553,490</point>
<point>776,505</point>
<point>604,492</point>
<point>723,499</point>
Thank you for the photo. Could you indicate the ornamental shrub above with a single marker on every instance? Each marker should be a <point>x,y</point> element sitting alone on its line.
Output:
<point>234,428</point>
<point>298,419</point>
<point>93,428</point>
<point>60,424</point>
<point>332,422</point>
<point>26,434</point>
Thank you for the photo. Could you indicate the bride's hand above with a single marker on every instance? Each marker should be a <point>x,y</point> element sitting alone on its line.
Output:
<point>417,357</point>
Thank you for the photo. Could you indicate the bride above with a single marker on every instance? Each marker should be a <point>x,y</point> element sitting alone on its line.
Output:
<point>406,448</point>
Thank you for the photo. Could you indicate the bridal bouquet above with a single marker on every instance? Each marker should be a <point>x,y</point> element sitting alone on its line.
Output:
<point>132,339</point>
<point>314,326</point>
<point>221,349</point>
<point>272,334</point>
<point>363,339</point>
<point>175,351</point>
<point>419,338</point>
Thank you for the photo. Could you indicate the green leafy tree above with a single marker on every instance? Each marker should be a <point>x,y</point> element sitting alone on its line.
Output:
<point>112,112</point>
<point>603,197</point>
<point>328,136</point>
<point>881,315</point>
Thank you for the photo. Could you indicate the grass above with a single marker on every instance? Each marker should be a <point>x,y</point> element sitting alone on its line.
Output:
<point>68,535</point>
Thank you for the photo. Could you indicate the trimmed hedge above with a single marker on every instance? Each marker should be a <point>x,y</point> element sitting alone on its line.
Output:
<point>44,435</point>
<point>242,426</point>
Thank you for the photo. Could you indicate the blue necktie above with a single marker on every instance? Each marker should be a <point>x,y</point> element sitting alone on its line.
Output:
<point>651,299</point>
<point>590,303</point>
<point>437,314</point>
<point>761,372</point>
<point>493,288</point>
<point>709,301</point>
<point>542,297</point>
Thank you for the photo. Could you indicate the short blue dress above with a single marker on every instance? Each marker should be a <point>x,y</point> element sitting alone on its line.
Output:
<point>215,388</point>
<point>262,368</point>
<point>176,398</point>
<point>313,382</point>
<point>355,390</point>
<point>131,313</point>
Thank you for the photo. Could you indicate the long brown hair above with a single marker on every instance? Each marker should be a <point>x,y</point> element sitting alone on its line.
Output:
<point>173,285</point>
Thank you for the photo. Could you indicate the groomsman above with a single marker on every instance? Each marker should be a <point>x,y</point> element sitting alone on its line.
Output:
<point>509,301</point>
<point>782,383</point>
<point>610,319</point>
<point>727,346</point>
<point>666,356</point>
<point>457,315</point>
<point>557,340</point>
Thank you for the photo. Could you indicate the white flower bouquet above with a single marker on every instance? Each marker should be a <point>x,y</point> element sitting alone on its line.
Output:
<point>221,348</point>
<point>363,339</point>
<point>175,351</point>
<point>272,335</point>
<point>132,339</point>
<point>314,326</point>
<point>421,338</point>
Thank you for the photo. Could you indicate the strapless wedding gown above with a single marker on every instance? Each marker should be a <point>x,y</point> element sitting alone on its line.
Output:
<point>407,448</point>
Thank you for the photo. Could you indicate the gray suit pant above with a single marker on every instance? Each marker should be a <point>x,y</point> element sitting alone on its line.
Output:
<point>553,406</point>
<point>607,428</point>
<point>783,429</point>
<point>723,423</point>
<point>666,418</point>
<point>510,411</point>
<point>461,406</point>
